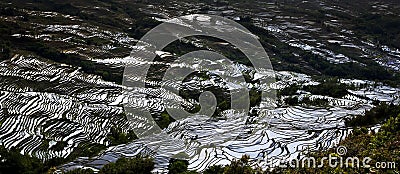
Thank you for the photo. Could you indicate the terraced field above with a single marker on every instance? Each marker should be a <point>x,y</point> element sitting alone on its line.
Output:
<point>62,69</point>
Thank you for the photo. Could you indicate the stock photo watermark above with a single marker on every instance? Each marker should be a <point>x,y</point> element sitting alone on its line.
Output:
<point>335,160</point>
<point>195,61</point>
<point>144,54</point>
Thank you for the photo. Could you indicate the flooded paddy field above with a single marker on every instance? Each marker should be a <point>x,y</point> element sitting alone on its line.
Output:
<point>66,90</point>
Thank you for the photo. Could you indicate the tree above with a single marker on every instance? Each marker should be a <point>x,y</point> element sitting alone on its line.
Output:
<point>177,166</point>
<point>137,165</point>
<point>217,169</point>
<point>240,166</point>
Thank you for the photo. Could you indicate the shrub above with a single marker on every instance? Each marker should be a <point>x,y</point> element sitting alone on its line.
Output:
<point>137,165</point>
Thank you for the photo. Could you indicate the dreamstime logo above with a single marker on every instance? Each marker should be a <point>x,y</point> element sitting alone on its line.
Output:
<point>144,53</point>
<point>341,150</point>
<point>338,160</point>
